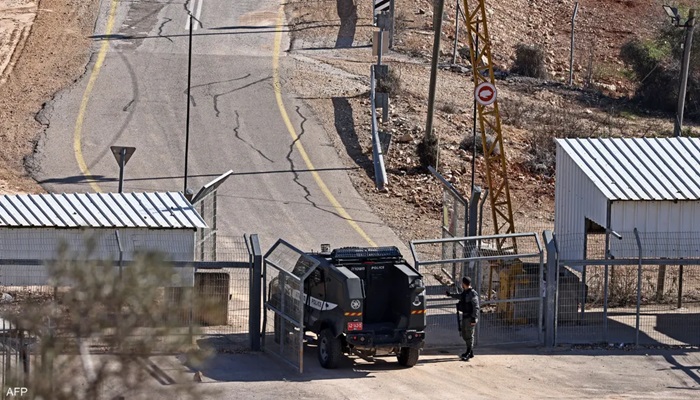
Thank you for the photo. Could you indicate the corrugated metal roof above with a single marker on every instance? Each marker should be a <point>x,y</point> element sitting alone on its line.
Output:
<point>166,210</point>
<point>639,168</point>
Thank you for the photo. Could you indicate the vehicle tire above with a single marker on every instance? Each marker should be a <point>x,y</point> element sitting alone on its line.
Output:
<point>330,350</point>
<point>408,356</point>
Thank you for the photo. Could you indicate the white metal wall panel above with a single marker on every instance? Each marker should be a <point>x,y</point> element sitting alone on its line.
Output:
<point>666,228</point>
<point>576,198</point>
<point>43,244</point>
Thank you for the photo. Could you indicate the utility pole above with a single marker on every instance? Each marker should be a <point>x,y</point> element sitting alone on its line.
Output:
<point>437,21</point>
<point>689,30</point>
<point>187,118</point>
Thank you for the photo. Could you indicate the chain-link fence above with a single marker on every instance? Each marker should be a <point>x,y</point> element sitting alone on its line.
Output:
<point>285,270</point>
<point>509,285</point>
<point>647,291</point>
<point>14,355</point>
<point>212,297</point>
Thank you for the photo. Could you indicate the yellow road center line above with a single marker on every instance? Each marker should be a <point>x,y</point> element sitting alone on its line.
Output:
<point>78,133</point>
<point>300,148</point>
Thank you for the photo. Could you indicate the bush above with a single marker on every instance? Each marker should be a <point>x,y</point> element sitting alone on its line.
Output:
<point>529,61</point>
<point>516,113</point>
<point>428,150</point>
<point>125,313</point>
<point>542,149</point>
<point>657,65</point>
<point>449,108</point>
<point>391,84</point>
<point>468,143</point>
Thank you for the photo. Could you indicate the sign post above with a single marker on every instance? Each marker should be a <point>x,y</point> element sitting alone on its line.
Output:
<point>384,18</point>
<point>122,155</point>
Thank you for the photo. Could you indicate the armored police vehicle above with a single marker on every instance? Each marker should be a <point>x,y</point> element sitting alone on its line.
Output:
<point>362,301</point>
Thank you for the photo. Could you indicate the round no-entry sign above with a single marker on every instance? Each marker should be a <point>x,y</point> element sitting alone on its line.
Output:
<point>485,94</point>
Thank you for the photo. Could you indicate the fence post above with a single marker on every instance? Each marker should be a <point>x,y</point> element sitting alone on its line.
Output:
<point>456,42</point>
<point>573,42</point>
<point>550,324</point>
<point>639,286</point>
<point>255,294</point>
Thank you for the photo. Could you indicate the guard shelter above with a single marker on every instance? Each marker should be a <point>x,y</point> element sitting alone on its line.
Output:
<point>32,228</point>
<point>619,185</point>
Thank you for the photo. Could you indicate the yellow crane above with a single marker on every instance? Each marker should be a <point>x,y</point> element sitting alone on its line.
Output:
<point>510,274</point>
<point>490,121</point>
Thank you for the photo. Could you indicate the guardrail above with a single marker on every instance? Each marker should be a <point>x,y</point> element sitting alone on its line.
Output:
<point>377,152</point>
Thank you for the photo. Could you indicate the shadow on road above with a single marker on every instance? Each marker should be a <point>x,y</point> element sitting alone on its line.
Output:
<point>347,11</point>
<point>79,179</point>
<point>690,370</point>
<point>345,126</point>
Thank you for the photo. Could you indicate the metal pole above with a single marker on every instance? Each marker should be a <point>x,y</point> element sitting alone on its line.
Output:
<point>541,294</point>
<point>391,24</point>
<point>121,254</point>
<point>550,325</point>
<point>639,287</point>
<point>680,287</point>
<point>571,58</point>
<point>255,294</point>
<point>439,7</point>
<point>476,51</point>
<point>606,278</point>
<point>583,279</point>
<point>215,234</point>
<point>381,43</point>
<point>454,49</point>
<point>189,81</point>
<point>689,30</point>
<point>122,157</point>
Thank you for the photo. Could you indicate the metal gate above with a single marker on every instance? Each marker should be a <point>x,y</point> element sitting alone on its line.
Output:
<point>622,292</point>
<point>14,356</point>
<point>509,285</point>
<point>286,268</point>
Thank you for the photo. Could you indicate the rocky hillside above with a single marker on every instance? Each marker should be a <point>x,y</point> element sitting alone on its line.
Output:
<point>332,59</point>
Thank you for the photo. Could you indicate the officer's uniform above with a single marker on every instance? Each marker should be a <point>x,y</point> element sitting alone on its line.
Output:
<point>469,306</point>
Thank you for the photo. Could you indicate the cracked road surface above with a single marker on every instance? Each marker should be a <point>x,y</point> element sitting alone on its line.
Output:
<point>139,99</point>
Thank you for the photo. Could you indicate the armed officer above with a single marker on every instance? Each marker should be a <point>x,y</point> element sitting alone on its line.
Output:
<point>469,306</point>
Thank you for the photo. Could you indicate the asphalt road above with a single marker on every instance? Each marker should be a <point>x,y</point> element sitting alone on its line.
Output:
<point>136,96</point>
<point>514,373</point>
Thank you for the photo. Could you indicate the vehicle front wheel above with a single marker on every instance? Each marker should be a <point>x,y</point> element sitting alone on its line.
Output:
<point>330,350</point>
<point>408,356</point>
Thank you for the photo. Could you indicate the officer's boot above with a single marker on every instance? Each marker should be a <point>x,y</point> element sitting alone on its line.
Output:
<point>467,354</point>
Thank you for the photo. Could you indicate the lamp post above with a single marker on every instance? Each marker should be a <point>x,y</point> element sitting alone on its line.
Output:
<point>189,82</point>
<point>685,65</point>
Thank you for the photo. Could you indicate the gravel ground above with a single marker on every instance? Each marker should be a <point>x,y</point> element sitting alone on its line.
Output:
<point>48,51</point>
<point>329,67</point>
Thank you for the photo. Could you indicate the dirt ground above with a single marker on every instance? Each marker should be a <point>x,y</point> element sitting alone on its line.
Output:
<point>44,47</point>
<point>330,66</point>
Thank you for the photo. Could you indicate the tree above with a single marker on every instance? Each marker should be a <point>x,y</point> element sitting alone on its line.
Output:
<point>129,315</point>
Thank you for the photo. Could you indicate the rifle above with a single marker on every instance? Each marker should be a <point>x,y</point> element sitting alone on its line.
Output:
<point>459,319</point>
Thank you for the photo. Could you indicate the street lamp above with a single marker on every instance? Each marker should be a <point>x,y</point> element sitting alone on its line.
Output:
<point>685,66</point>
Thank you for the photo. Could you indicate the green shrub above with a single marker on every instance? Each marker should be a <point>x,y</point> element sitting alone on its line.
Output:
<point>657,68</point>
<point>529,61</point>
<point>428,149</point>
